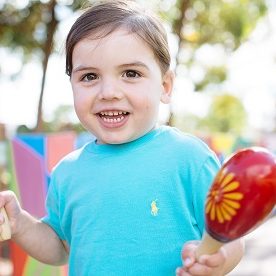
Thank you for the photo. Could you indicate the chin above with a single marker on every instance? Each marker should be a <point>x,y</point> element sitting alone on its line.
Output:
<point>110,141</point>
<point>117,141</point>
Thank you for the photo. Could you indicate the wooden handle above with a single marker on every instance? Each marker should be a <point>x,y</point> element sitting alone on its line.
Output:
<point>208,246</point>
<point>5,233</point>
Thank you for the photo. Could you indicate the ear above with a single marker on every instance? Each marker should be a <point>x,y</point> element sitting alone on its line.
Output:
<point>167,84</point>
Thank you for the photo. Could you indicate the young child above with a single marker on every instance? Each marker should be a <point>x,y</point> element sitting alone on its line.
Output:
<point>126,203</point>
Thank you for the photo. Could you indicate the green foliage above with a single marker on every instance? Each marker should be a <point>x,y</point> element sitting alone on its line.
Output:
<point>26,27</point>
<point>23,28</point>
<point>31,29</point>
<point>187,123</point>
<point>214,22</point>
<point>217,21</point>
<point>214,75</point>
<point>226,114</point>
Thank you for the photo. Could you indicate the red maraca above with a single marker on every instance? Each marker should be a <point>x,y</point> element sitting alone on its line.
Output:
<point>240,198</point>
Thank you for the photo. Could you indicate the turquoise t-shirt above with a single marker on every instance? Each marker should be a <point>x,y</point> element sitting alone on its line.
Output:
<point>128,209</point>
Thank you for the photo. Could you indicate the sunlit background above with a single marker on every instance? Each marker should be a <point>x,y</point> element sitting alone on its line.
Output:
<point>234,58</point>
<point>223,54</point>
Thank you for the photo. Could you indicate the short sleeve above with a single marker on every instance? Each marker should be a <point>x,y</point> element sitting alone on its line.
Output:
<point>203,182</point>
<point>52,217</point>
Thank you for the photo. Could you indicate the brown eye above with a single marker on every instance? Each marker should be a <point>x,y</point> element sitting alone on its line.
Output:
<point>89,77</point>
<point>132,74</point>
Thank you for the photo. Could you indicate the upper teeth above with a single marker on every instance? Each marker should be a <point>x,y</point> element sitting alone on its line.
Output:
<point>113,113</point>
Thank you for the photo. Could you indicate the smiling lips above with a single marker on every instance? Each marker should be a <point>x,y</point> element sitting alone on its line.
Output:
<point>113,118</point>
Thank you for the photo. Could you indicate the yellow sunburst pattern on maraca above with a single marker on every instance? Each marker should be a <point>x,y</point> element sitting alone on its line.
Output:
<point>223,200</point>
<point>241,197</point>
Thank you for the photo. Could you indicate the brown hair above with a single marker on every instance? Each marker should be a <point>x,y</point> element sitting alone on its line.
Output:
<point>104,17</point>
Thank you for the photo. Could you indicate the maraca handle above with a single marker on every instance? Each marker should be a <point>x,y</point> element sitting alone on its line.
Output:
<point>5,233</point>
<point>208,246</point>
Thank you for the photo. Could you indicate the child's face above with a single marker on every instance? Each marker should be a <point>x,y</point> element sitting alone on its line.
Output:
<point>117,86</point>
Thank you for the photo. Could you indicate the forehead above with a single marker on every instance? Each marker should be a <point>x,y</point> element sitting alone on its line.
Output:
<point>121,43</point>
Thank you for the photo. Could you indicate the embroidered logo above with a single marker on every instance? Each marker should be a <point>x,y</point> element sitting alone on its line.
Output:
<point>154,208</point>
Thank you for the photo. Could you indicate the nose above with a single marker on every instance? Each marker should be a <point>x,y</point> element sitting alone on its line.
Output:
<point>110,90</point>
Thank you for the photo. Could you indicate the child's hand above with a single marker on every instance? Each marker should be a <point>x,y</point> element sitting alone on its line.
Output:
<point>207,265</point>
<point>9,201</point>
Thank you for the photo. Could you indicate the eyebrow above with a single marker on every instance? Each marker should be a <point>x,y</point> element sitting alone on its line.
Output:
<point>132,64</point>
<point>82,68</point>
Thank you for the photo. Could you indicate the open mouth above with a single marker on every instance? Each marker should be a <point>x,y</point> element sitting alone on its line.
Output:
<point>113,116</point>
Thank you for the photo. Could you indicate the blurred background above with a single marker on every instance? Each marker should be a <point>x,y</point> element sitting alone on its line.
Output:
<point>224,57</point>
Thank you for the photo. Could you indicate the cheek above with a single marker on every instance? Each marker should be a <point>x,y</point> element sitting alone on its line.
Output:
<point>149,107</point>
<point>80,95</point>
<point>77,101</point>
<point>80,102</point>
<point>78,110</point>
<point>150,97</point>
<point>152,101</point>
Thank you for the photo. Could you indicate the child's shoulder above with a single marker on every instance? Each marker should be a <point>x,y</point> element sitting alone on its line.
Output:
<point>180,138</point>
<point>188,148</point>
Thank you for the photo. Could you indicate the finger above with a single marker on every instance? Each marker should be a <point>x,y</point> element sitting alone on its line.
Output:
<point>213,260</point>
<point>5,233</point>
<point>188,253</point>
<point>189,248</point>
<point>181,271</point>
<point>2,219</point>
<point>5,197</point>
<point>2,199</point>
<point>199,270</point>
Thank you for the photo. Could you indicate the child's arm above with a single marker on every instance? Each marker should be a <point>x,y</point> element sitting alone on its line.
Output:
<point>37,238</point>
<point>217,264</point>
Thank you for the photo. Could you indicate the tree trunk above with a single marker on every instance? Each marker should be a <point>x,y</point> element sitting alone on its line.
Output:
<point>47,50</point>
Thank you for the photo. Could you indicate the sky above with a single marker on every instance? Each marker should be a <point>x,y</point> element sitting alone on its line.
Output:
<point>252,78</point>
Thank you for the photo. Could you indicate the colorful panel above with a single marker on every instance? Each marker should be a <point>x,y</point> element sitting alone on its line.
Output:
<point>31,159</point>
<point>10,165</point>
<point>57,146</point>
<point>30,174</point>
<point>34,141</point>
